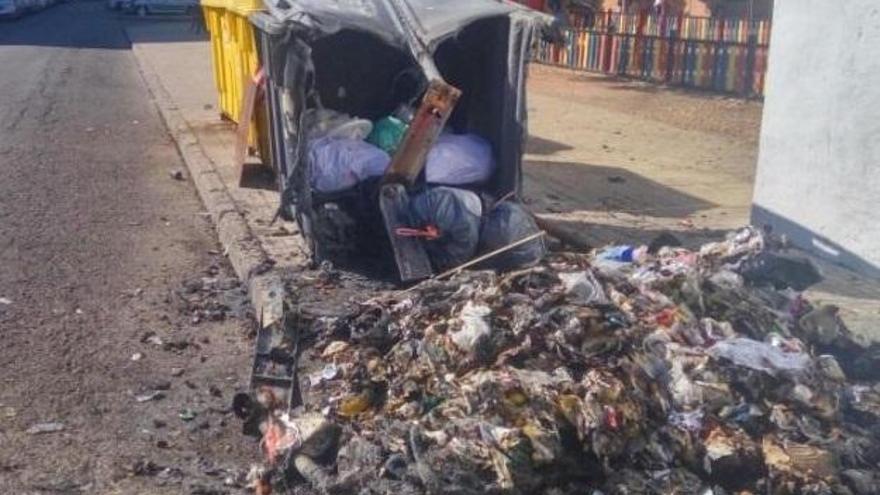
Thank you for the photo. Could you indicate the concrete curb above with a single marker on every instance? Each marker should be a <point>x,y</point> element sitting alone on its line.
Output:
<point>247,256</point>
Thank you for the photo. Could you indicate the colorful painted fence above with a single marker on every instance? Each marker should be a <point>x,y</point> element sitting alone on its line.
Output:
<point>684,27</point>
<point>717,65</point>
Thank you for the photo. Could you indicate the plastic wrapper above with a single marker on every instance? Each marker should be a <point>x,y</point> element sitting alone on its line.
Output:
<point>330,123</point>
<point>761,356</point>
<point>387,134</point>
<point>338,164</point>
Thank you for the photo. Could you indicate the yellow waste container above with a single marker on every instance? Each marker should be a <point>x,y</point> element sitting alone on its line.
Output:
<point>235,61</point>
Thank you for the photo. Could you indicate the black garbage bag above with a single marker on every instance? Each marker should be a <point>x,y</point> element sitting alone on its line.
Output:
<point>507,223</point>
<point>455,213</point>
<point>781,271</point>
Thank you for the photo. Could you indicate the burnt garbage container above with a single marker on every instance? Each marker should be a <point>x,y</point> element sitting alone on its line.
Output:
<point>364,61</point>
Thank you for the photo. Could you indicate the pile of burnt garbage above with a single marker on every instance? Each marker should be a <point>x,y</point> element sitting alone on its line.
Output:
<point>623,371</point>
<point>452,212</point>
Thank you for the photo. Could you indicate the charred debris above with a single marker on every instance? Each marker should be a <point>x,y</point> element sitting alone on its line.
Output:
<point>679,371</point>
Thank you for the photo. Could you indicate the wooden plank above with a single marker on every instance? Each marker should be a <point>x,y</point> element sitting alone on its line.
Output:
<point>248,107</point>
<point>436,107</point>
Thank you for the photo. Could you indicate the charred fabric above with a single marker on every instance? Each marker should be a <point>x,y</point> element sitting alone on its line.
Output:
<point>404,125</point>
<point>676,372</point>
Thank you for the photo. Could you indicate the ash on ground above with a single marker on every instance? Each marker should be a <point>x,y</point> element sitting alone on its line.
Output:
<point>680,372</point>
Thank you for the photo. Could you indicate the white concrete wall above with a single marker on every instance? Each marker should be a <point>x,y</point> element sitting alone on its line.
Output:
<point>818,176</point>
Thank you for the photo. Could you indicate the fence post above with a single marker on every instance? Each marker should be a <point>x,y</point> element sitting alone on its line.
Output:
<point>719,65</point>
<point>670,54</point>
<point>751,52</point>
<point>609,43</point>
<point>640,44</point>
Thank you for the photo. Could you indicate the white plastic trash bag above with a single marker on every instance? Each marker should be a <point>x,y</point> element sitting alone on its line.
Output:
<point>330,123</point>
<point>458,159</point>
<point>337,164</point>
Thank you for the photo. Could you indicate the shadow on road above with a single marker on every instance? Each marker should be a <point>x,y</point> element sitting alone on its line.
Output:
<point>579,186</point>
<point>606,204</point>
<point>93,27</point>
<point>631,84</point>
<point>257,176</point>
<point>165,29</point>
<point>537,145</point>
<point>601,234</point>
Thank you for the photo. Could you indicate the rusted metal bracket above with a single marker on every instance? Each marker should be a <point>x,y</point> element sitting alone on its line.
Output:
<point>437,105</point>
<point>406,166</point>
<point>254,89</point>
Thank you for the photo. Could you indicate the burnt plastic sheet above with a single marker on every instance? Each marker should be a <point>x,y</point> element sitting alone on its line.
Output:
<point>395,21</point>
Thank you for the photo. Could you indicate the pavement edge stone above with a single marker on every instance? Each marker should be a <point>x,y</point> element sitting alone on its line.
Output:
<point>247,256</point>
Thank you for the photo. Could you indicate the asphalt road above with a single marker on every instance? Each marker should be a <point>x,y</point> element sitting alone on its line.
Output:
<point>95,238</point>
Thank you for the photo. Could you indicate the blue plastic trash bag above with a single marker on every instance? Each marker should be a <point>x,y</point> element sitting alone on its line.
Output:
<point>458,159</point>
<point>456,214</point>
<point>507,223</point>
<point>337,164</point>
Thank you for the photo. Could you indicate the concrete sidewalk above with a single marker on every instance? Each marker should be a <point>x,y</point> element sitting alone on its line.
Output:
<point>184,69</point>
<point>176,64</point>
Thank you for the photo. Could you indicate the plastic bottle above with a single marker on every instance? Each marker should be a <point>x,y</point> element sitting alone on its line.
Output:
<point>404,113</point>
<point>623,254</point>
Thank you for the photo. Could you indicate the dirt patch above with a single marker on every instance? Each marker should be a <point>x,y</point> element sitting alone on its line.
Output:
<point>621,161</point>
<point>691,110</point>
